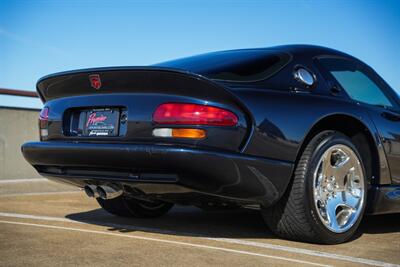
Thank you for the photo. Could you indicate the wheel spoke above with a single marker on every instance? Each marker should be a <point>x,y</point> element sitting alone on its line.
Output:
<point>327,168</point>
<point>354,184</point>
<point>350,200</point>
<point>331,207</point>
<point>341,170</point>
<point>346,162</point>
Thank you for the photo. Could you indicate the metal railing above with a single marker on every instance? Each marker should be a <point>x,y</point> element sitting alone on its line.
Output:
<point>14,92</point>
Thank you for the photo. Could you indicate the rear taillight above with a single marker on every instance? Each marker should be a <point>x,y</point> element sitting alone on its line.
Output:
<point>44,122</point>
<point>193,114</point>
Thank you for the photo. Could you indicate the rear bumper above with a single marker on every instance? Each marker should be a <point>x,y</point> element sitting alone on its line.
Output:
<point>228,175</point>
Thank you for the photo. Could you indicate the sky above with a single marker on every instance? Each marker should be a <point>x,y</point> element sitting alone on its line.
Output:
<point>42,37</point>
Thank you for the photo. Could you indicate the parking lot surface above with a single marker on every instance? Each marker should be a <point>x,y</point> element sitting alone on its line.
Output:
<point>44,223</point>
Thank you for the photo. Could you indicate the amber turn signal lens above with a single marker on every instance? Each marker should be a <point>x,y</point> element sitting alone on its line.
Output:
<point>180,133</point>
<point>188,133</point>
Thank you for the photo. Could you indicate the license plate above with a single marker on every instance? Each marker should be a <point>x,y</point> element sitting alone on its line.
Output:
<point>101,122</point>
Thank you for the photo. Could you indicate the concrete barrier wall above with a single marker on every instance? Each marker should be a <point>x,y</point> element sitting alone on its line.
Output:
<point>17,126</point>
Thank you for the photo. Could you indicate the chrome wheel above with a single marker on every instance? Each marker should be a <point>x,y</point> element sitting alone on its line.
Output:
<point>339,189</point>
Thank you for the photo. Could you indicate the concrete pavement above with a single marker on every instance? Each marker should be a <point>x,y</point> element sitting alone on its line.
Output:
<point>44,223</point>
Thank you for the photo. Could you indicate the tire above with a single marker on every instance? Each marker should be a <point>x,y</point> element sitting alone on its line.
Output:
<point>131,207</point>
<point>300,216</point>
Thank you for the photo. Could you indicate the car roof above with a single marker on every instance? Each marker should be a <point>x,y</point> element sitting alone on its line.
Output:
<point>307,50</point>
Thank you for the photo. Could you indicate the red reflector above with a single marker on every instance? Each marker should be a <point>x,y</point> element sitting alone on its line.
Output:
<point>180,113</point>
<point>43,118</point>
<point>44,114</point>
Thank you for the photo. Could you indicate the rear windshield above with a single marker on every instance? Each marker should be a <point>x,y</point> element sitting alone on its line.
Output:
<point>238,65</point>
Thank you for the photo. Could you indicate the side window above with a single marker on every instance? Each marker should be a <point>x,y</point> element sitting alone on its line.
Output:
<point>355,82</point>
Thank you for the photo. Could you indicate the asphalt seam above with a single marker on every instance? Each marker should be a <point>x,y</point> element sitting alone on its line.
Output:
<point>308,252</point>
<point>165,241</point>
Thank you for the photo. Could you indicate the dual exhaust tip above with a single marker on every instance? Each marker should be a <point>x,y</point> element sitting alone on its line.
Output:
<point>103,191</point>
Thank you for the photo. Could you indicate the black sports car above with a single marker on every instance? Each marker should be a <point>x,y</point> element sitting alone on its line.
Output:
<point>309,135</point>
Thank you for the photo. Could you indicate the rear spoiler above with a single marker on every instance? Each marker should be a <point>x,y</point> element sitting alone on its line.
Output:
<point>132,80</point>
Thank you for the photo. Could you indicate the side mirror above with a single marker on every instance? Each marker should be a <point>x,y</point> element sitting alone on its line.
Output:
<point>333,87</point>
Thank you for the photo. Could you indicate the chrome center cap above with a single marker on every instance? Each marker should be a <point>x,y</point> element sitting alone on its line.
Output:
<point>330,187</point>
